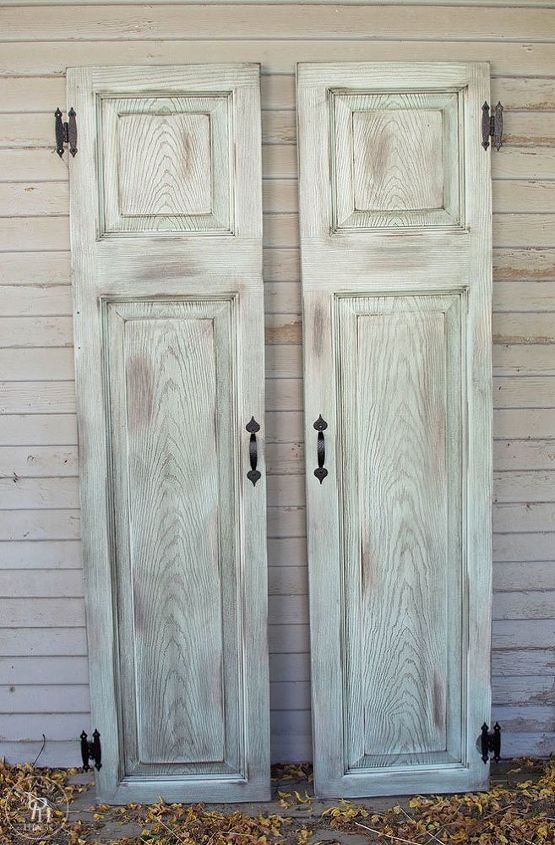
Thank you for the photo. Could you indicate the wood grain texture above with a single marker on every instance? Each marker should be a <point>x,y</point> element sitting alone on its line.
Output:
<point>401,526</point>
<point>179,569</point>
<point>148,183</point>
<point>397,130</point>
<point>181,696</point>
<point>283,265</point>
<point>279,161</point>
<point>399,532</point>
<point>280,231</point>
<point>24,199</point>
<point>165,165</point>
<point>33,85</point>
<point>518,162</point>
<point>392,159</point>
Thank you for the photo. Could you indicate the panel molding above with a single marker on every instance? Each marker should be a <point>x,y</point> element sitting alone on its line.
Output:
<point>445,687</point>
<point>130,400</point>
<point>190,190</point>
<point>417,167</point>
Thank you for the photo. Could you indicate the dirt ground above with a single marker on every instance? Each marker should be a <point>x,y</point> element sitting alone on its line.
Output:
<point>518,808</point>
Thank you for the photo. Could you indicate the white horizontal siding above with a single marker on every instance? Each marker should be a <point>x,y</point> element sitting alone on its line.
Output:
<point>43,665</point>
<point>275,22</point>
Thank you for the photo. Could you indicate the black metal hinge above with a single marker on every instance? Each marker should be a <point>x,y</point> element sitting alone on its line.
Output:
<point>91,751</point>
<point>490,742</point>
<point>492,126</point>
<point>66,132</point>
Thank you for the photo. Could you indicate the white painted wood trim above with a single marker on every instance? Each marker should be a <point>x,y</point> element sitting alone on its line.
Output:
<point>367,267</point>
<point>232,267</point>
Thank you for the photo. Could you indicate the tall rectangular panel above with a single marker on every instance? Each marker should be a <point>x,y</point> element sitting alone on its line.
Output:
<point>395,208</point>
<point>171,373</point>
<point>168,312</point>
<point>401,409</point>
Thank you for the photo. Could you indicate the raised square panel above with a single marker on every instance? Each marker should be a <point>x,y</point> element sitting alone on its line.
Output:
<point>396,160</point>
<point>165,165</point>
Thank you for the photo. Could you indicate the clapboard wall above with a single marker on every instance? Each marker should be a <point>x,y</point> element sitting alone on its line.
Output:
<point>43,662</point>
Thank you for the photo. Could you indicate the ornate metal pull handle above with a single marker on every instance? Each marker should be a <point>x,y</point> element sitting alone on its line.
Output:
<point>253,474</point>
<point>320,425</point>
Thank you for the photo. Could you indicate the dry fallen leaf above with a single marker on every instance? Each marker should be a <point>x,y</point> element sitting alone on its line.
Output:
<point>517,813</point>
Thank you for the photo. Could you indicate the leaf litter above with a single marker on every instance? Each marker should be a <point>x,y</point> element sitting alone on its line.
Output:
<point>520,811</point>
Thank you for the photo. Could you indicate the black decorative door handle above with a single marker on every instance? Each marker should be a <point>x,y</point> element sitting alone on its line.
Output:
<point>253,474</point>
<point>320,425</point>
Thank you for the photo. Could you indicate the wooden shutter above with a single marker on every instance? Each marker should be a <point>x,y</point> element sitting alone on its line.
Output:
<point>396,262</point>
<point>166,231</point>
